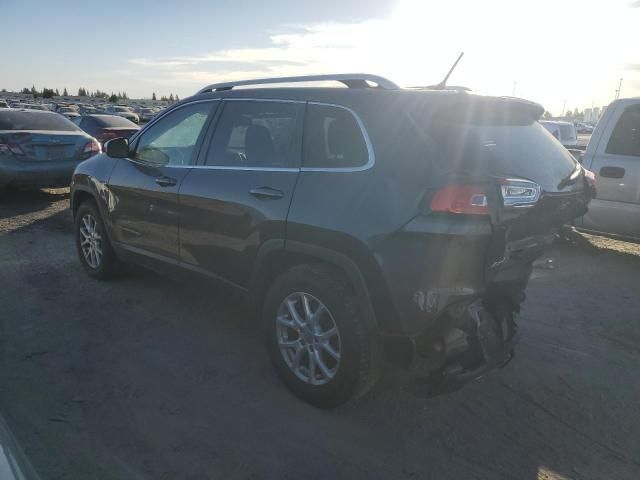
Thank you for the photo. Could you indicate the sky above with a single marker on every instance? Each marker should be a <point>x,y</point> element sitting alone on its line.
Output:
<point>559,53</point>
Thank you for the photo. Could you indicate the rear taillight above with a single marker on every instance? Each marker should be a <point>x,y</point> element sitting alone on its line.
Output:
<point>461,199</point>
<point>519,193</point>
<point>11,148</point>
<point>590,177</point>
<point>92,147</point>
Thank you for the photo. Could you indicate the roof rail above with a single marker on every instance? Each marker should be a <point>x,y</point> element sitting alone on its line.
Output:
<point>351,80</point>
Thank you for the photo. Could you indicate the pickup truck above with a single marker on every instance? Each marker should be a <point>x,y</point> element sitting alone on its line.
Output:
<point>613,155</point>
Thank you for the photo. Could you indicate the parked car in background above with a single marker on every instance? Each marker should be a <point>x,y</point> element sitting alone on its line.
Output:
<point>613,154</point>
<point>70,115</point>
<point>584,128</point>
<point>67,109</point>
<point>146,114</point>
<point>359,220</point>
<point>3,104</point>
<point>32,106</point>
<point>123,111</point>
<point>40,148</point>
<point>565,132</point>
<point>106,127</point>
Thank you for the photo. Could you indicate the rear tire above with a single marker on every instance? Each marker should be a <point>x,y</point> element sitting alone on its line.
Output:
<point>94,249</point>
<point>309,289</point>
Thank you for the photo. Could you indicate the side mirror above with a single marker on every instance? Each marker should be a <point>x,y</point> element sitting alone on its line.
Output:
<point>117,148</point>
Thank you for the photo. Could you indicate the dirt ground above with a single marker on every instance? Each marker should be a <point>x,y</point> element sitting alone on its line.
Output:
<point>146,378</point>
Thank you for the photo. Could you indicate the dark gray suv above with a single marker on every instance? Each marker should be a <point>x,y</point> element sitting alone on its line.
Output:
<point>365,223</point>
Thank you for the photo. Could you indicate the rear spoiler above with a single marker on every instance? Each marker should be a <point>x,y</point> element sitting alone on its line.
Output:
<point>485,108</point>
<point>534,109</point>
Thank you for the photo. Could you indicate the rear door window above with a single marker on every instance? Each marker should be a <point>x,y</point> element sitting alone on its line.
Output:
<point>333,139</point>
<point>625,138</point>
<point>257,134</point>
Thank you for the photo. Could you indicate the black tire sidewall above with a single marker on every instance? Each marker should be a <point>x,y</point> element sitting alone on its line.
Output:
<point>337,297</point>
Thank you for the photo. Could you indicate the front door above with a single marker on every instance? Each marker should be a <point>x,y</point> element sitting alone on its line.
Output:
<point>239,196</point>
<point>145,213</point>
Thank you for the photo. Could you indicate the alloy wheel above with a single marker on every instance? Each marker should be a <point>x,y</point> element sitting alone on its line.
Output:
<point>90,240</point>
<point>308,338</point>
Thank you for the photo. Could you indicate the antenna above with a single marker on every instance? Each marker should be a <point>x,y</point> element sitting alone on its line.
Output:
<point>443,83</point>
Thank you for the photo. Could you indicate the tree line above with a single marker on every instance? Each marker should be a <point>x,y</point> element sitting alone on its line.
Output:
<point>83,92</point>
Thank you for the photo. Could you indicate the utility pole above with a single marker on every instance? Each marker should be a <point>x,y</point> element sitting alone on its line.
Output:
<point>513,93</point>
<point>564,106</point>
<point>619,89</point>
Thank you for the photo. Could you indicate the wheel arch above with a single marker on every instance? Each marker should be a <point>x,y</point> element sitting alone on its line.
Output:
<point>80,195</point>
<point>274,258</point>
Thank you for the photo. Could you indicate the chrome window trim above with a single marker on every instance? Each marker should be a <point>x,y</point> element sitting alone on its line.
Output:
<point>369,164</point>
<point>244,169</point>
<point>372,156</point>
<point>279,100</point>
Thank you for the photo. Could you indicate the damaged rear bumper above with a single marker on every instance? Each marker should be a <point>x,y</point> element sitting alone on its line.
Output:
<point>475,338</point>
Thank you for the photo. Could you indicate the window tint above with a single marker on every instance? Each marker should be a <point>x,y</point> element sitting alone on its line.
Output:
<point>625,139</point>
<point>256,134</point>
<point>172,139</point>
<point>35,120</point>
<point>332,139</point>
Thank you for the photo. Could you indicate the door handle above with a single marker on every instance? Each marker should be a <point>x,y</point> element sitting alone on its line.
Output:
<point>266,193</point>
<point>166,181</point>
<point>612,172</point>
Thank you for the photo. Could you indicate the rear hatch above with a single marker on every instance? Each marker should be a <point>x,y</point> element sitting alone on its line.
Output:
<point>533,185</point>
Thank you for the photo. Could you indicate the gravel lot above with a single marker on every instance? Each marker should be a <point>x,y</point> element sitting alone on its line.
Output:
<point>146,378</point>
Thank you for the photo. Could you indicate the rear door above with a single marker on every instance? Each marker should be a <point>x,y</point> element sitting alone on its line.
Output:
<point>146,212</point>
<point>616,164</point>
<point>238,197</point>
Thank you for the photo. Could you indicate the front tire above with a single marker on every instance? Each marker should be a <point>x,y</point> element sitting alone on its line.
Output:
<point>94,249</point>
<point>321,345</point>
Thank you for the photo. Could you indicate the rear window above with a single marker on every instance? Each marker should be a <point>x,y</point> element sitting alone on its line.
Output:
<point>500,142</point>
<point>35,120</point>
<point>113,121</point>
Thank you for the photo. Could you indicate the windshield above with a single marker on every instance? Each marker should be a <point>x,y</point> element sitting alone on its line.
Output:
<point>35,120</point>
